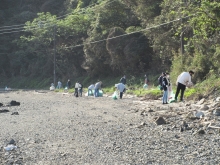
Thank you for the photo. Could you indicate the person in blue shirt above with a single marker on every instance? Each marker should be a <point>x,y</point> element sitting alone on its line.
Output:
<point>121,88</point>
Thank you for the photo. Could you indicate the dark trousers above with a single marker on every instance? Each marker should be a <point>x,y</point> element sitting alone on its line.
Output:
<point>76,92</point>
<point>121,94</point>
<point>180,87</point>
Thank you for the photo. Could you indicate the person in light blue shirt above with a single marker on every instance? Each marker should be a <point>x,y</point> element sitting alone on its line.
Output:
<point>121,88</point>
<point>59,85</point>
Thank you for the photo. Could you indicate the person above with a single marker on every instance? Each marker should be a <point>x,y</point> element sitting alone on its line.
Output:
<point>68,84</point>
<point>183,80</point>
<point>123,80</point>
<point>97,87</point>
<point>146,80</point>
<point>91,88</point>
<point>160,80</point>
<point>80,89</point>
<point>121,88</point>
<point>52,87</point>
<point>59,85</point>
<point>165,89</point>
<point>169,86</point>
<point>76,89</point>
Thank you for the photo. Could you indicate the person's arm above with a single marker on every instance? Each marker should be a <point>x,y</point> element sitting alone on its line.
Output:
<point>189,81</point>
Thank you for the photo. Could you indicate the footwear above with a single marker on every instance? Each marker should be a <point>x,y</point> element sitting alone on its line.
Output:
<point>166,103</point>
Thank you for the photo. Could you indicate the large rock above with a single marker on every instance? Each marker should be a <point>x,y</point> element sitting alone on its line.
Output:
<point>201,101</point>
<point>4,110</point>
<point>14,103</point>
<point>160,121</point>
<point>199,114</point>
<point>204,107</point>
<point>216,112</point>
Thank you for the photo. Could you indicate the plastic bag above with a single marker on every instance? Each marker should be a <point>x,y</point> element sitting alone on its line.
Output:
<point>115,95</point>
<point>172,97</point>
<point>145,86</point>
<point>100,94</point>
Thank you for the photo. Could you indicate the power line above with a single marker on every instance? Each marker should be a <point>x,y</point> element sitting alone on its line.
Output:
<point>6,28</point>
<point>128,33</point>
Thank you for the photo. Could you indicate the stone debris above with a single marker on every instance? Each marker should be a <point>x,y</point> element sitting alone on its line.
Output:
<point>14,103</point>
<point>199,114</point>
<point>14,113</point>
<point>4,110</point>
<point>204,107</point>
<point>160,121</point>
<point>216,112</point>
<point>65,130</point>
<point>200,131</point>
<point>201,101</point>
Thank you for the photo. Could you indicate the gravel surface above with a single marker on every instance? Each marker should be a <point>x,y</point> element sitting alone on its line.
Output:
<point>51,128</point>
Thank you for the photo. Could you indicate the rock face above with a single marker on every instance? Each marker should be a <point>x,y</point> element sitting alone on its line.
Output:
<point>60,129</point>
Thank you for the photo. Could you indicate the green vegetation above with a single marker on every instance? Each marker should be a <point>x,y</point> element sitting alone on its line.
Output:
<point>103,40</point>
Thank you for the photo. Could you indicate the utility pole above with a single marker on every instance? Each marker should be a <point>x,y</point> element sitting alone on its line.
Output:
<point>54,55</point>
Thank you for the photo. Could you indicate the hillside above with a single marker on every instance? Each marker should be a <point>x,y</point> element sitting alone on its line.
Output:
<point>55,39</point>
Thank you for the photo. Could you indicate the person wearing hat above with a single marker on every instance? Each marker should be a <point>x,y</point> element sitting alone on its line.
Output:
<point>183,80</point>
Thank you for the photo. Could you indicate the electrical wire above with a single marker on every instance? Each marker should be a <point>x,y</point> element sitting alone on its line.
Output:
<point>6,28</point>
<point>128,33</point>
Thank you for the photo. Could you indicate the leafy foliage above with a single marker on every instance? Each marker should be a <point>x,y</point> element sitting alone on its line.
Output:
<point>109,38</point>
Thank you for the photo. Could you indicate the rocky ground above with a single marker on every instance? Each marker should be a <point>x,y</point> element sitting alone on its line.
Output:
<point>49,128</point>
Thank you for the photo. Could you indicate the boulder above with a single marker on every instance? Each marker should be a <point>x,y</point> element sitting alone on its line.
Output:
<point>160,121</point>
<point>204,107</point>
<point>201,101</point>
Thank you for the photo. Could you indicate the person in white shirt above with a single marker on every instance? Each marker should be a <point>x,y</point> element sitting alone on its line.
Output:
<point>90,88</point>
<point>183,80</point>
<point>76,89</point>
<point>121,88</point>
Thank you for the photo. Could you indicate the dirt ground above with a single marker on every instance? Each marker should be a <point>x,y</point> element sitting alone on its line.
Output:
<point>59,129</point>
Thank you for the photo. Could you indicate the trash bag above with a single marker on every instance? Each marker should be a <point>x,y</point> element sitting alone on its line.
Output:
<point>115,95</point>
<point>160,87</point>
<point>145,86</point>
<point>91,93</point>
<point>100,94</point>
<point>171,98</point>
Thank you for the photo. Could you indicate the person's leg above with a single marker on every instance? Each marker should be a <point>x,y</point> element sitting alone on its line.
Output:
<point>77,92</point>
<point>96,92</point>
<point>183,87</point>
<point>166,96</point>
<point>163,99</point>
<point>121,94</point>
<point>177,90</point>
